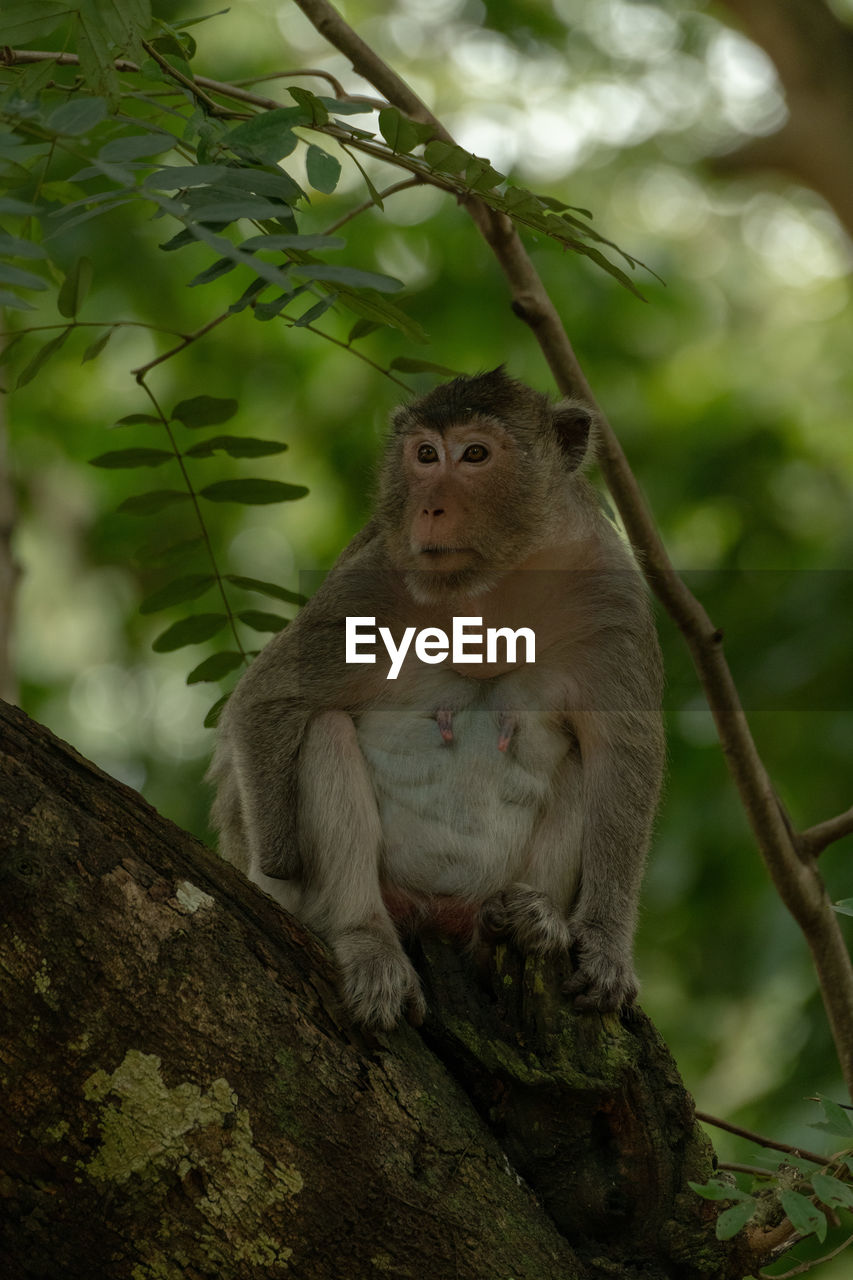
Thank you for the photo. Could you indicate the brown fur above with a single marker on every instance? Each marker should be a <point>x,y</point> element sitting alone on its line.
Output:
<point>509,799</point>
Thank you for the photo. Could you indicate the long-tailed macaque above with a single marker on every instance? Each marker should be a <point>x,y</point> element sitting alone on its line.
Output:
<point>475,791</point>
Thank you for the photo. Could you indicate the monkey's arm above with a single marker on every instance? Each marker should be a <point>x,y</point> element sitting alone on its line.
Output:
<point>300,674</point>
<point>622,750</point>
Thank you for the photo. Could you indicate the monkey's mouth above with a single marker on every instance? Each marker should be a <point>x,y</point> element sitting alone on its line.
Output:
<point>437,552</point>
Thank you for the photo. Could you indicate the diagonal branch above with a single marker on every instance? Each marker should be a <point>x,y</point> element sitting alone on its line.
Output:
<point>815,839</point>
<point>794,875</point>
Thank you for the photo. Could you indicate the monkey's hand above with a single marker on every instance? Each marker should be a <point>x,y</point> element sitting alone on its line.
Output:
<point>604,978</point>
<point>378,982</point>
<point>526,916</point>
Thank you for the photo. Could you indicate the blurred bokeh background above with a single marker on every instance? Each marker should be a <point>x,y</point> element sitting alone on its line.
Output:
<point>731,387</point>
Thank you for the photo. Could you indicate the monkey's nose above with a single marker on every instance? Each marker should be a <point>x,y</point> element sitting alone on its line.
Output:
<point>430,513</point>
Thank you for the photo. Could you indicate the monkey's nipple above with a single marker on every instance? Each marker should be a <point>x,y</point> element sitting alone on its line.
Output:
<point>508,726</point>
<point>444,719</point>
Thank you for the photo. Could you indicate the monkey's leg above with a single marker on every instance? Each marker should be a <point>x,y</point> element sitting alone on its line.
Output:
<point>340,837</point>
<point>532,910</point>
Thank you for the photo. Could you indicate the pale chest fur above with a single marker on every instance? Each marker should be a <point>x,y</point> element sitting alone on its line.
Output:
<point>458,815</point>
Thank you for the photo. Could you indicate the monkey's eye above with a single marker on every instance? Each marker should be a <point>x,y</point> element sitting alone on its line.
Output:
<point>427,453</point>
<point>475,453</point>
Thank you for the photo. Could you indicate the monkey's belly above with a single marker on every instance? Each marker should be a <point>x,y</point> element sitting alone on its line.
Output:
<point>457,816</point>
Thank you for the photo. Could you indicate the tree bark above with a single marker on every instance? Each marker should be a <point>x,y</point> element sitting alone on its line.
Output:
<point>812,50</point>
<point>182,1096</point>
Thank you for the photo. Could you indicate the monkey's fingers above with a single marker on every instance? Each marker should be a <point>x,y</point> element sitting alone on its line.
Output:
<point>444,719</point>
<point>602,994</point>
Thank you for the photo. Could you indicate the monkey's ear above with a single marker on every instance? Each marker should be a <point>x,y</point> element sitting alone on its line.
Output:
<point>572,421</point>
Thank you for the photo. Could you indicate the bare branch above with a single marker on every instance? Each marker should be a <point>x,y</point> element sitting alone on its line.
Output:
<point>796,880</point>
<point>761,1141</point>
<point>815,839</point>
<point>417,181</point>
<point>808,1266</point>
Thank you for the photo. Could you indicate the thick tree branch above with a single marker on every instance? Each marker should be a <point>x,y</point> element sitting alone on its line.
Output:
<point>812,50</point>
<point>179,1082</point>
<point>796,879</point>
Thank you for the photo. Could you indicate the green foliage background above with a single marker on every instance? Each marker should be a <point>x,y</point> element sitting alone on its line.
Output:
<point>730,387</point>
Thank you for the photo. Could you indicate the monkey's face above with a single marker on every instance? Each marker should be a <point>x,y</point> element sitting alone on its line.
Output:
<point>463,510</point>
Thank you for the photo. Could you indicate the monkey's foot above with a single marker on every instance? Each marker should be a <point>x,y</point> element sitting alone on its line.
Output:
<point>526,916</point>
<point>604,978</point>
<point>378,982</point>
<point>444,719</point>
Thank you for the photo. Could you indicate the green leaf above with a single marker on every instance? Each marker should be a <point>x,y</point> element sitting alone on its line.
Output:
<point>23,22</point>
<point>8,299</point>
<point>269,310</point>
<point>15,247</point>
<point>77,116</point>
<point>844,907</point>
<point>219,268</point>
<point>18,208</point>
<point>95,348</point>
<point>134,146</point>
<point>212,717</point>
<point>75,286</point>
<point>732,1220</point>
<point>193,630</point>
<point>352,277</point>
<point>446,157</point>
<point>716,1190</point>
<point>804,1216</point>
<point>268,136</point>
<point>227,210</point>
<point>235,447</point>
<point>403,364</point>
<point>180,23</point>
<point>343,107</point>
<point>181,552</point>
<point>374,194</point>
<point>837,1120</point>
<point>17,276</point>
<point>253,492</point>
<point>260,621</point>
<point>307,243</point>
<point>215,667</point>
<point>520,201</point>
<point>177,592</point>
<point>135,419</point>
<point>361,329</point>
<point>312,110</point>
<point>204,411</point>
<point>254,290</point>
<point>41,357</point>
<point>132,458</point>
<point>402,134</point>
<point>832,1191</point>
<point>322,169</point>
<point>314,313</point>
<point>266,588</point>
<point>150,504</point>
<point>480,176</point>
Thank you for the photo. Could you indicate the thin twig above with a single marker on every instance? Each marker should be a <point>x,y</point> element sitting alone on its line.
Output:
<point>752,1169</point>
<point>796,880</point>
<point>807,1266</point>
<point>186,340</point>
<point>815,839</point>
<point>371,204</point>
<point>761,1141</point>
